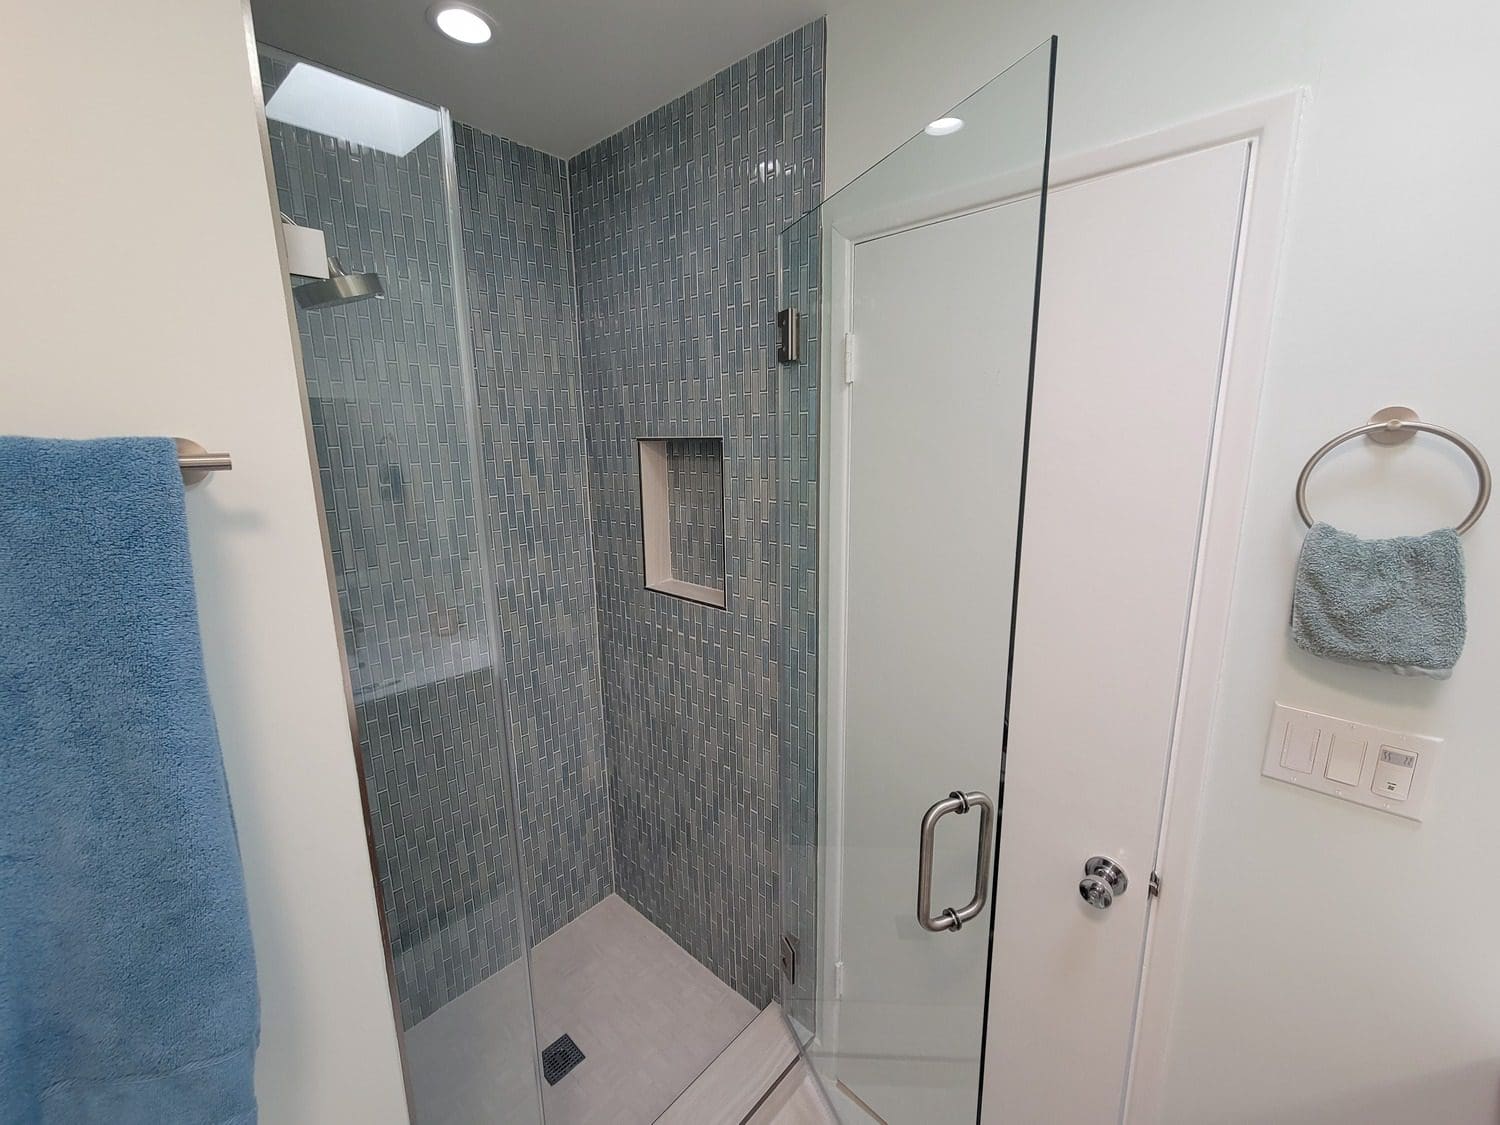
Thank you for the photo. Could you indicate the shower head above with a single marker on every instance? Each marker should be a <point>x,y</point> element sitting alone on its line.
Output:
<point>339,288</point>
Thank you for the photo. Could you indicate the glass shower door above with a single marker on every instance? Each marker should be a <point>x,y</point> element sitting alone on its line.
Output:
<point>902,434</point>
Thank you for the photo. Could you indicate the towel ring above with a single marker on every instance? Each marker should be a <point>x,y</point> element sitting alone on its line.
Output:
<point>1390,426</point>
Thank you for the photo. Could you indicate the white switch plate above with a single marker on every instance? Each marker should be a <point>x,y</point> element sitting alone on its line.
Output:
<point>1298,723</point>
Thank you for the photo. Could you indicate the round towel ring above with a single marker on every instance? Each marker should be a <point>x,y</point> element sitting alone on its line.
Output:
<point>1397,424</point>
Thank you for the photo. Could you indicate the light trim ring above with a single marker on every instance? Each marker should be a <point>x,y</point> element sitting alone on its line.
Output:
<point>462,23</point>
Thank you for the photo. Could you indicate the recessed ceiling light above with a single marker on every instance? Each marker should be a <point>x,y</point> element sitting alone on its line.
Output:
<point>461,22</point>
<point>943,126</point>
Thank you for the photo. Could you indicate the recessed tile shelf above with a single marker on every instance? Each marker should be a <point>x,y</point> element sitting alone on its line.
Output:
<point>682,517</point>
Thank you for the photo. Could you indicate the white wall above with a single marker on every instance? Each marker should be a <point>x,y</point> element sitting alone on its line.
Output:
<point>1340,965</point>
<point>141,293</point>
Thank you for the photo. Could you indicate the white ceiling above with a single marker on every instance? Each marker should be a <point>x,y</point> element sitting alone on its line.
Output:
<point>559,74</point>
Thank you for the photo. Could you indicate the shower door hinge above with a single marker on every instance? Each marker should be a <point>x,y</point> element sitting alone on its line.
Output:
<point>1153,885</point>
<point>848,358</point>
<point>789,957</point>
<point>788,336</point>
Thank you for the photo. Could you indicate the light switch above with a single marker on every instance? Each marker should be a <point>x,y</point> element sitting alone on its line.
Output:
<point>1393,773</point>
<point>1346,758</point>
<point>1387,770</point>
<point>1300,746</point>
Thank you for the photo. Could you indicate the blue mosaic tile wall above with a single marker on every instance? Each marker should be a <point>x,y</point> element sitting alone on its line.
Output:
<point>675,222</point>
<point>666,329</point>
<point>518,257</point>
<point>695,510</point>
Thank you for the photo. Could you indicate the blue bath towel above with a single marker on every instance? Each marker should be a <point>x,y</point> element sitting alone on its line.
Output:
<point>127,982</point>
<point>1396,604</point>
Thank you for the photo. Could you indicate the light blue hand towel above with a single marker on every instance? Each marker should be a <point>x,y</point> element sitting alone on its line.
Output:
<point>1397,604</point>
<point>127,981</point>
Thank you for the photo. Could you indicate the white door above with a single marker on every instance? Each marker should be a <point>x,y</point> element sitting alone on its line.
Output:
<point>1139,269</point>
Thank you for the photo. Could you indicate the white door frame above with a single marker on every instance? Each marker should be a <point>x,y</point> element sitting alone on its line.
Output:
<point>1270,127</point>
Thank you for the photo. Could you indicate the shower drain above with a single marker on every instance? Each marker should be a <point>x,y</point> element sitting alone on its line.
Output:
<point>559,1058</point>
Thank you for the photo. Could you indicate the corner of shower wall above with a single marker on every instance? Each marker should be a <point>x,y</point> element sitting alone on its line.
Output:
<point>631,289</point>
<point>518,261</point>
<point>675,221</point>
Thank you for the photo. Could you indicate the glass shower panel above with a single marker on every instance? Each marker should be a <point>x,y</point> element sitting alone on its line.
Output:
<point>390,396</point>
<point>901,454</point>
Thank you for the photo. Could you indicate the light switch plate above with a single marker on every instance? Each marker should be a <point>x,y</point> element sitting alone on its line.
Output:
<point>1291,729</point>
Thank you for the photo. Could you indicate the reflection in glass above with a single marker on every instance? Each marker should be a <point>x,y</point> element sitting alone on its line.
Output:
<point>390,400</point>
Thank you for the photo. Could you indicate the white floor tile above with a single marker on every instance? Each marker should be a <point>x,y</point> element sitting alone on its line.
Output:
<point>646,1015</point>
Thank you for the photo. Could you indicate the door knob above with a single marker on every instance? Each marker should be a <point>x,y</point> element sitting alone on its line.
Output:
<point>1103,880</point>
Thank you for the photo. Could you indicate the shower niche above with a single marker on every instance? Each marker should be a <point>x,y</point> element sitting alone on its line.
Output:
<point>682,517</point>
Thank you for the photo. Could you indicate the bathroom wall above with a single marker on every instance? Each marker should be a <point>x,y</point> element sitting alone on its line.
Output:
<point>150,171</point>
<point>675,221</point>
<point>518,256</point>
<point>385,382</point>
<point>1337,964</point>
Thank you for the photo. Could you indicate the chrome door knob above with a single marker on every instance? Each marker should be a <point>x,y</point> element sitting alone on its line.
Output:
<point>1103,881</point>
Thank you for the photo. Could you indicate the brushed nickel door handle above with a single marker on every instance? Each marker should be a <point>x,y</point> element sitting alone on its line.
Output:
<point>951,919</point>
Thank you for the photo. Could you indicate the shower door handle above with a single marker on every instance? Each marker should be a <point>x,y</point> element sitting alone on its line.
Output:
<point>950,919</point>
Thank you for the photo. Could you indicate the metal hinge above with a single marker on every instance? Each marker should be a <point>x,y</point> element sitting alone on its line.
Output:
<point>789,957</point>
<point>1153,885</point>
<point>788,336</point>
<point>848,357</point>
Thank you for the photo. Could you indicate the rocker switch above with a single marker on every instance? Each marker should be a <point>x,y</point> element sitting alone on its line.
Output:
<point>1300,746</point>
<point>1346,759</point>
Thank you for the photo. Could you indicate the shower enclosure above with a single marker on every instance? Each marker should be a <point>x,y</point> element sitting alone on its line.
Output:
<point>581,525</point>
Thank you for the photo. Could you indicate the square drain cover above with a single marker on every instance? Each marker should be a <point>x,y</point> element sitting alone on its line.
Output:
<point>559,1058</point>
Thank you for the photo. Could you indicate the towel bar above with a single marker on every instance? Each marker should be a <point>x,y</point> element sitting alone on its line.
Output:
<point>197,462</point>
<point>1389,426</point>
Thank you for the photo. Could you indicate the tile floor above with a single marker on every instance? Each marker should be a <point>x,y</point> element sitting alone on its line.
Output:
<point>647,1016</point>
<point>471,1062</point>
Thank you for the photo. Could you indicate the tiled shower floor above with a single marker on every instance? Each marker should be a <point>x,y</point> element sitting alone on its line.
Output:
<point>647,1016</point>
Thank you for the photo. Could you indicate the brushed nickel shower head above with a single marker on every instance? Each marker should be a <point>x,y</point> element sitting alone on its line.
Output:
<point>339,288</point>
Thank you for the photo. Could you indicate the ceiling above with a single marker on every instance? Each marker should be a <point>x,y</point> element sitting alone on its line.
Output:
<point>558,75</point>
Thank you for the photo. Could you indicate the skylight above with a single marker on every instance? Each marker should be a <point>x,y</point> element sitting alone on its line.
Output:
<point>328,103</point>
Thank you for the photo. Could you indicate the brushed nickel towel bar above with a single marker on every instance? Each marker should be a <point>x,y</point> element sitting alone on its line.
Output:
<point>1392,426</point>
<point>197,462</point>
